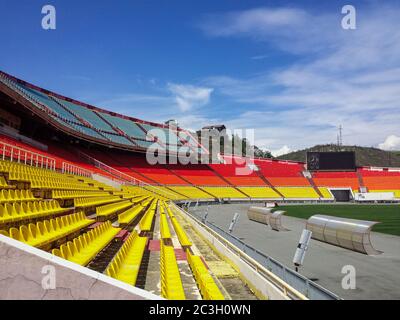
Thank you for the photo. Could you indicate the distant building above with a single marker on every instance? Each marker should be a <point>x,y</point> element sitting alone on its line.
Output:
<point>172,123</point>
<point>218,127</point>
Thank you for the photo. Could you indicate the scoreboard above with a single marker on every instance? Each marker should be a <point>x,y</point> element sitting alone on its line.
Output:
<point>331,161</point>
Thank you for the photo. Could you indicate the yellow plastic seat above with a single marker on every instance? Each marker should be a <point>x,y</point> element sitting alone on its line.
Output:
<point>129,215</point>
<point>47,231</point>
<point>206,284</point>
<point>171,283</point>
<point>84,248</point>
<point>126,264</point>
<point>164,228</point>
<point>147,220</point>
<point>182,236</point>
<point>110,209</point>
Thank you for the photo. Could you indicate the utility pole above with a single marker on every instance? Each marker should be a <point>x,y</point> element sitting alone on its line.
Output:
<point>340,136</point>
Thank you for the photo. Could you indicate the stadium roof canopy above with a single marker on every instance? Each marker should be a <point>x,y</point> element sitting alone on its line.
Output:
<point>94,124</point>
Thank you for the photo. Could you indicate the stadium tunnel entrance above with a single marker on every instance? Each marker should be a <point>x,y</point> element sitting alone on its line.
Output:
<point>342,195</point>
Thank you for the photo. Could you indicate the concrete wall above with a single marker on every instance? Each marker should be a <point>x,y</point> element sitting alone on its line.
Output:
<point>374,196</point>
<point>107,181</point>
<point>27,273</point>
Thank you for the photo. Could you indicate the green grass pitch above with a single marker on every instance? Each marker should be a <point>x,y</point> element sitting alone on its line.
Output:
<point>388,215</point>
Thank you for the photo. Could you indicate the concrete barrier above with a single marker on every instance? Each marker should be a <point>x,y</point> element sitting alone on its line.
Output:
<point>27,273</point>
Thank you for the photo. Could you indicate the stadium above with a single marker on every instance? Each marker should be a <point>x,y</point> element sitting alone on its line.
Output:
<point>98,204</point>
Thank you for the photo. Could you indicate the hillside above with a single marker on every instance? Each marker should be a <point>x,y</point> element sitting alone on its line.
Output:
<point>365,156</point>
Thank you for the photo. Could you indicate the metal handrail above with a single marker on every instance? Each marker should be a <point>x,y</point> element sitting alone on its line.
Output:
<point>70,168</point>
<point>120,175</point>
<point>27,157</point>
<point>123,176</point>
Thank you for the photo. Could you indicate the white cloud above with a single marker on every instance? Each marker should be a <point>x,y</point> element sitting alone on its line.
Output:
<point>345,77</point>
<point>281,151</point>
<point>142,106</point>
<point>392,142</point>
<point>188,96</point>
<point>166,103</point>
<point>194,122</point>
<point>291,29</point>
<point>259,57</point>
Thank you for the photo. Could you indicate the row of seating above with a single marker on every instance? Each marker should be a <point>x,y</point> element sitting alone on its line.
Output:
<point>22,172</point>
<point>109,209</point>
<point>147,201</point>
<point>29,210</point>
<point>325,193</point>
<point>137,199</point>
<point>245,181</point>
<point>147,220</point>
<point>197,174</point>
<point>126,264</point>
<point>51,183</point>
<point>260,192</point>
<point>205,282</point>
<point>164,192</point>
<point>382,182</point>
<point>287,192</point>
<point>3,183</point>
<point>16,167</point>
<point>182,236</point>
<point>171,283</point>
<point>12,195</point>
<point>129,196</point>
<point>191,192</point>
<point>94,201</point>
<point>298,193</point>
<point>71,194</point>
<point>224,192</point>
<point>289,181</point>
<point>164,227</point>
<point>251,192</point>
<point>272,168</point>
<point>142,191</point>
<point>85,247</point>
<point>48,231</point>
<point>129,215</point>
<point>184,193</point>
<point>42,178</point>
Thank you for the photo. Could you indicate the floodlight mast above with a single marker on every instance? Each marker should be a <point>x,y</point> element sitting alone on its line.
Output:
<point>302,247</point>
<point>233,222</point>
<point>206,214</point>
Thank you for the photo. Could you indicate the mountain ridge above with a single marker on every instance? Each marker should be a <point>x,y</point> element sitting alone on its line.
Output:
<point>365,156</point>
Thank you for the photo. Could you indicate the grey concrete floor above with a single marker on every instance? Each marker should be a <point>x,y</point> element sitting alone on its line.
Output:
<point>377,277</point>
<point>232,286</point>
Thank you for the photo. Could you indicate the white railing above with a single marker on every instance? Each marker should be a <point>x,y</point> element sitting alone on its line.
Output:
<point>20,155</point>
<point>70,168</point>
<point>127,179</point>
<point>34,159</point>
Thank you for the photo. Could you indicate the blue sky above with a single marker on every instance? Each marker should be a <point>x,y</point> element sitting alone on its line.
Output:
<point>283,68</point>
